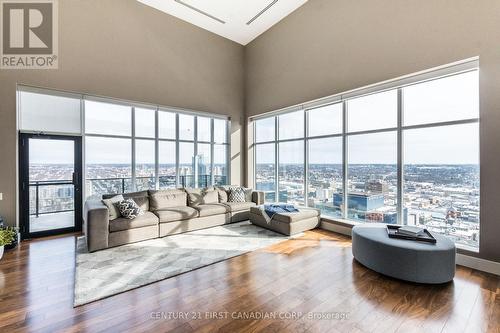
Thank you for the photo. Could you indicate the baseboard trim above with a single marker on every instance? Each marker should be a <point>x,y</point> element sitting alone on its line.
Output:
<point>478,263</point>
<point>460,259</point>
<point>334,227</point>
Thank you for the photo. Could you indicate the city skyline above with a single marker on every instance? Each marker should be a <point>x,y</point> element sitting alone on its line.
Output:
<point>442,197</point>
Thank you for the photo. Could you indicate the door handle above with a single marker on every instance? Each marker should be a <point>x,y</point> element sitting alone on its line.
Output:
<point>75,178</point>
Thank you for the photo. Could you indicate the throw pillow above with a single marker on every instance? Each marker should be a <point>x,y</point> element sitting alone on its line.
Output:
<point>248,194</point>
<point>129,209</point>
<point>112,204</point>
<point>195,196</point>
<point>236,195</point>
<point>222,194</point>
<point>141,199</point>
<point>210,197</point>
<point>247,191</point>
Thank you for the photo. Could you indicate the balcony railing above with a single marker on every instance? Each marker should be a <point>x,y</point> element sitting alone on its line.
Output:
<point>57,196</point>
<point>51,196</point>
<point>99,186</point>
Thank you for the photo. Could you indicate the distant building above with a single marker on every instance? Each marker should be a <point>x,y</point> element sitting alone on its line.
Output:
<point>376,186</point>
<point>327,208</point>
<point>323,194</point>
<point>412,219</point>
<point>391,217</point>
<point>269,191</point>
<point>360,201</point>
<point>369,207</point>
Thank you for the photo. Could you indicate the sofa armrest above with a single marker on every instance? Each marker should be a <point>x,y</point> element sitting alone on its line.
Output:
<point>96,219</point>
<point>258,197</point>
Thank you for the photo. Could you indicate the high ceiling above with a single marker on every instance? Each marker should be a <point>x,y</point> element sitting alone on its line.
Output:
<point>237,20</point>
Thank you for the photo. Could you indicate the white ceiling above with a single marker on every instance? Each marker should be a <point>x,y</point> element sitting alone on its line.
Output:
<point>237,20</point>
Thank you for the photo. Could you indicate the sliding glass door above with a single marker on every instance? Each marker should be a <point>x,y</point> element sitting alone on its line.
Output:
<point>50,184</point>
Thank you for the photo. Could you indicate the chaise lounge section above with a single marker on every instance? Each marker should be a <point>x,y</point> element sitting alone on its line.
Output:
<point>166,212</point>
<point>287,223</point>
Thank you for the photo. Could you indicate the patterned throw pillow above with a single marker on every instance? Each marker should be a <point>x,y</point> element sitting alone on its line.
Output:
<point>236,195</point>
<point>224,197</point>
<point>129,209</point>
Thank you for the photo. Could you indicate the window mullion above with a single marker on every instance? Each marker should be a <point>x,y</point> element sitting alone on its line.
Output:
<point>84,151</point>
<point>400,203</point>
<point>255,157</point>
<point>134,187</point>
<point>228,152</point>
<point>195,155</point>
<point>306,159</point>
<point>157,152</point>
<point>345,205</point>
<point>177,154</point>
<point>212,151</point>
<point>276,160</point>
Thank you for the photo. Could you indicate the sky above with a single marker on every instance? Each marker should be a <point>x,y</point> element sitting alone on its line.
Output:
<point>51,151</point>
<point>458,144</point>
<point>446,99</point>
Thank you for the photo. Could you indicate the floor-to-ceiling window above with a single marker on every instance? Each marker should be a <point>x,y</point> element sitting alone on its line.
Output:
<point>131,148</point>
<point>291,157</point>
<point>440,141</point>
<point>403,153</point>
<point>108,148</point>
<point>265,157</point>
<point>372,176</point>
<point>324,162</point>
<point>145,148</point>
<point>167,149</point>
<point>220,165</point>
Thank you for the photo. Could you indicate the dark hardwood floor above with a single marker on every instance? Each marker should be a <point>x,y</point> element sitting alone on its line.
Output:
<point>312,275</point>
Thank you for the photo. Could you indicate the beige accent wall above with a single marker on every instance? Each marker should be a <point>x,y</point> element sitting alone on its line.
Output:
<point>330,46</point>
<point>123,49</point>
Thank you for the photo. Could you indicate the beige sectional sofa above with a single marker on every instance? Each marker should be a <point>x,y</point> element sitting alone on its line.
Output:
<point>166,212</point>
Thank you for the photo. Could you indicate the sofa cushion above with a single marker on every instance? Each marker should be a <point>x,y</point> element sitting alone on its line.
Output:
<point>239,206</point>
<point>141,198</point>
<point>173,214</point>
<point>212,209</point>
<point>211,197</point>
<point>294,217</point>
<point>144,220</point>
<point>222,194</point>
<point>194,196</point>
<point>112,204</point>
<point>142,202</point>
<point>163,199</point>
<point>199,196</point>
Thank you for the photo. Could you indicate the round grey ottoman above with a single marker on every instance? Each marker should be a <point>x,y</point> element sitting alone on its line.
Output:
<point>403,259</point>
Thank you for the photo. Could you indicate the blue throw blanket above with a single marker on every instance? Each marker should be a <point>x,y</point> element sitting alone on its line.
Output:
<point>281,208</point>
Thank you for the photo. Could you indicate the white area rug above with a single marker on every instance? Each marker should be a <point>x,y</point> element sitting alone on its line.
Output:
<point>112,271</point>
